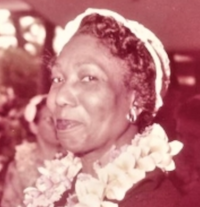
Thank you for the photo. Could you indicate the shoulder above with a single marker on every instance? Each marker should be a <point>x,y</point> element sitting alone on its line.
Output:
<point>156,190</point>
<point>191,198</point>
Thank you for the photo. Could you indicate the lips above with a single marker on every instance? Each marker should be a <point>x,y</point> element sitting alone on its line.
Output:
<point>65,124</point>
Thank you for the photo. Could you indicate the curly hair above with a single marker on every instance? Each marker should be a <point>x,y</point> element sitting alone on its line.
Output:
<point>141,74</point>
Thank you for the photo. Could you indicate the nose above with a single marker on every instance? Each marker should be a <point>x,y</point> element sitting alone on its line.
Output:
<point>66,95</point>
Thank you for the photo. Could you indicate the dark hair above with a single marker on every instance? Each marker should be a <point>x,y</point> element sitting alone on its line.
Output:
<point>125,45</point>
<point>38,109</point>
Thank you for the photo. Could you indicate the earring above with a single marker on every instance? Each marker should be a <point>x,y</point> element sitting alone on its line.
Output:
<point>131,116</point>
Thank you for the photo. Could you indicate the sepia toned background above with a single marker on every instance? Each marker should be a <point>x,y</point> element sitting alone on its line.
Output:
<point>32,32</point>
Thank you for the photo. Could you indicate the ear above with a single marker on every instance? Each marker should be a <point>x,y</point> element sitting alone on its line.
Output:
<point>132,98</point>
<point>134,105</point>
<point>33,128</point>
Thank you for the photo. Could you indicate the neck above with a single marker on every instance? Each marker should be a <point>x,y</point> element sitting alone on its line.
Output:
<point>103,154</point>
<point>47,150</point>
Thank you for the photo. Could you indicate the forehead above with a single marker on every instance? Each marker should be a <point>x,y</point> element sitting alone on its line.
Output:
<point>80,42</point>
<point>88,49</point>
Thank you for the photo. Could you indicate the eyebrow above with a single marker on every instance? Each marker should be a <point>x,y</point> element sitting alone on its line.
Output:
<point>54,64</point>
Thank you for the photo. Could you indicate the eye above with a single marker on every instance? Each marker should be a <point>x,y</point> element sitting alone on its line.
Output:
<point>89,78</point>
<point>57,80</point>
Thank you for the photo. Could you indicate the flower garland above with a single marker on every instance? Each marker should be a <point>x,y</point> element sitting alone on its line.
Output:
<point>126,167</point>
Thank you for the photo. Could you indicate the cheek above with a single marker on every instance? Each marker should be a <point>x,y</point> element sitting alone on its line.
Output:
<point>99,105</point>
<point>47,129</point>
<point>51,101</point>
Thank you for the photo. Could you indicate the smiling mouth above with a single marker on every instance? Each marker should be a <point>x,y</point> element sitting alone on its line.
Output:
<point>64,124</point>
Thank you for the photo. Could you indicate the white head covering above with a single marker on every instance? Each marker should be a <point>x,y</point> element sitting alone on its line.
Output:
<point>31,108</point>
<point>151,42</point>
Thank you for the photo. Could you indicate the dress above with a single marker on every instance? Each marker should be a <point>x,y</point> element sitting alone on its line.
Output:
<point>191,198</point>
<point>154,191</point>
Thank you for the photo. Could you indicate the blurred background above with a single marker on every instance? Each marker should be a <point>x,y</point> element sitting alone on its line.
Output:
<point>32,32</point>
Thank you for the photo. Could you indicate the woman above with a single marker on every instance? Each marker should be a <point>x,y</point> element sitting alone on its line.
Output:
<point>107,85</point>
<point>23,172</point>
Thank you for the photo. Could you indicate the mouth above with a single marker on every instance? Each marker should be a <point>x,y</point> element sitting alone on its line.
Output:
<point>66,125</point>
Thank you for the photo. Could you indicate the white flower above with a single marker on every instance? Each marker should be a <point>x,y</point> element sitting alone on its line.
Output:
<point>120,176</point>
<point>72,200</point>
<point>175,147</point>
<point>156,150</point>
<point>146,164</point>
<point>43,184</point>
<point>86,184</point>
<point>90,192</point>
<point>31,195</point>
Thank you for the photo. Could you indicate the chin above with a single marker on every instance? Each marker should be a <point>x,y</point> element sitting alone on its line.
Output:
<point>76,150</point>
<point>72,147</point>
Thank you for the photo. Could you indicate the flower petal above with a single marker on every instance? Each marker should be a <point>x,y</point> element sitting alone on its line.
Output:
<point>156,156</point>
<point>117,188</point>
<point>175,147</point>
<point>146,163</point>
<point>102,175</point>
<point>109,204</point>
<point>79,205</point>
<point>135,151</point>
<point>171,166</point>
<point>137,175</point>
<point>115,191</point>
<point>86,184</point>
<point>109,173</point>
<point>125,161</point>
<point>159,145</point>
<point>44,171</point>
<point>90,200</point>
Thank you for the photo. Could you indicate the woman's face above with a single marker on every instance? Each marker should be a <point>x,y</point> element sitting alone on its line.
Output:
<point>88,99</point>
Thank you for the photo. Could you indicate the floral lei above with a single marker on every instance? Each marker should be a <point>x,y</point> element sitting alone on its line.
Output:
<point>126,167</point>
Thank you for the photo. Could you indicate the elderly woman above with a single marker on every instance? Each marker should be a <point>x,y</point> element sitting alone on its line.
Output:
<point>107,85</point>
